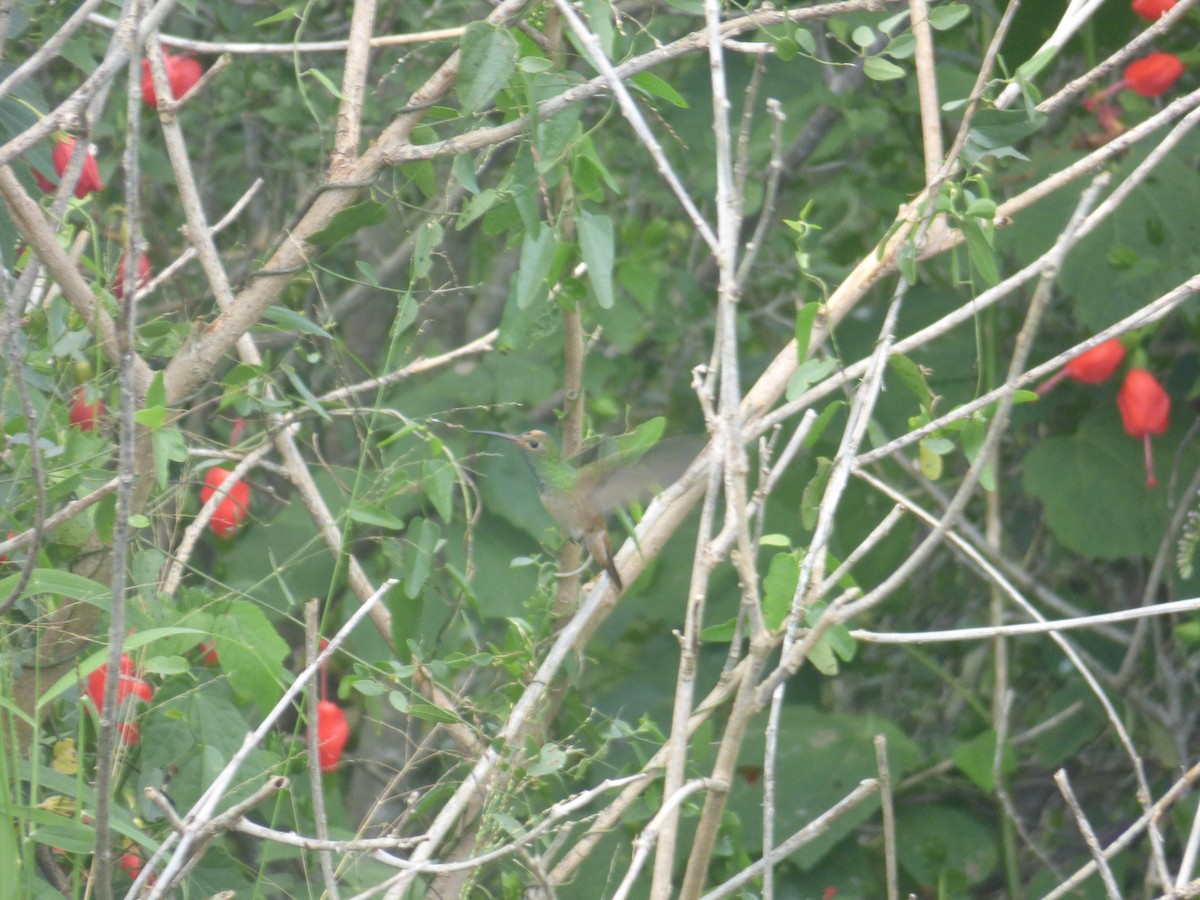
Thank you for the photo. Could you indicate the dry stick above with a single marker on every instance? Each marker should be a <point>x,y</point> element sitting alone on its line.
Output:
<point>1158,569</point>
<point>1147,819</point>
<point>354,78</point>
<point>202,813</point>
<point>731,450</point>
<point>1073,656</point>
<point>813,829</point>
<point>1003,716</point>
<point>67,112</point>
<point>35,230</point>
<point>190,253</point>
<point>172,575</point>
<point>127,469</point>
<point>258,49</point>
<point>926,69</point>
<point>966,489</point>
<point>312,646</point>
<point>889,816</point>
<point>49,48</point>
<point>201,237</point>
<point>596,56</point>
<point>1089,836</point>
<point>1068,93</point>
<point>1188,863</point>
<point>1042,626</point>
<point>644,841</point>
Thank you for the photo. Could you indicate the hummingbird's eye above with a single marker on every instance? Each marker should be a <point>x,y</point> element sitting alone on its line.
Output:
<point>533,445</point>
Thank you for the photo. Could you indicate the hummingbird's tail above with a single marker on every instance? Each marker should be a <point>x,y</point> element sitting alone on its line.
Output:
<point>601,549</point>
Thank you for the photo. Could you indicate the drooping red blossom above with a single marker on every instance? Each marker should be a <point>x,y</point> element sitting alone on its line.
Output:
<point>143,275</point>
<point>1145,411</point>
<point>231,511</point>
<point>83,415</point>
<point>332,733</point>
<point>1091,367</point>
<point>89,178</point>
<point>1152,10</point>
<point>1153,75</point>
<point>208,653</point>
<point>182,73</point>
<point>127,686</point>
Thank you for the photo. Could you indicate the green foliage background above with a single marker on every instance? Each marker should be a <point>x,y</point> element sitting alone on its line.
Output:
<point>437,252</point>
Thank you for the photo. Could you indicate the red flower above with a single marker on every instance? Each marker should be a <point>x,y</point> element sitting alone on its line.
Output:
<point>182,73</point>
<point>1153,75</point>
<point>127,686</point>
<point>208,653</point>
<point>89,177</point>
<point>83,415</point>
<point>231,511</point>
<point>1091,367</point>
<point>143,275</point>
<point>332,734</point>
<point>1152,10</point>
<point>1145,411</point>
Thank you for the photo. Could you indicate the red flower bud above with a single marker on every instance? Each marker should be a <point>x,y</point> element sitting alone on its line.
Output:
<point>332,733</point>
<point>1145,410</point>
<point>1091,367</point>
<point>1152,10</point>
<point>89,177</point>
<point>1153,75</point>
<point>208,653</point>
<point>143,275</point>
<point>227,518</point>
<point>83,415</point>
<point>127,686</point>
<point>182,73</point>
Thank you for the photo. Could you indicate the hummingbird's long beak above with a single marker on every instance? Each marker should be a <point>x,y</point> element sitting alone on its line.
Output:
<point>500,434</point>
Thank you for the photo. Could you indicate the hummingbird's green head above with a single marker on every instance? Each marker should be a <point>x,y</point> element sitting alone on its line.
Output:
<point>536,443</point>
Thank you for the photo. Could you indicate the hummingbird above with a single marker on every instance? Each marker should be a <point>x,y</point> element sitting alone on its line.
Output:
<point>569,494</point>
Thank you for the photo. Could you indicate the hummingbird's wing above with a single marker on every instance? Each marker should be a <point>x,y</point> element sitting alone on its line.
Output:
<point>648,470</point>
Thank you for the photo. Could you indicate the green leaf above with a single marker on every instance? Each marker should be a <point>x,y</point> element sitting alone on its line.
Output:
<point>428,239</point>
<point>250,653</point>
<point>810,501</point>
<point>976,758</point>
<point>979,249</point>
<point>779,587</point>
<point>805,317</point>
<point>374,516</point>
<point>368,272</point>
<point>972,437</point>
<point>912,376</point>
<point>879,69</point>
<point>488,56</point>
<point>290,320</point>
<point>599,15</point>
<point>168,446</point>
<point>282,16</point>
<point>596,246</point>
<point>438,481</point>
<point>431,713</point>
<point>463,170</point>
<point>656,87</point>
<point>863,35</point>
<point>1092,487</point>
<point>945,17</point>
<point>348,221</point>
<point>945,846</point>
<point>823,419</point>
<point>423,535</point>
<point>537,256</point>
<point>809,373</point>
<point>325,82</point>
